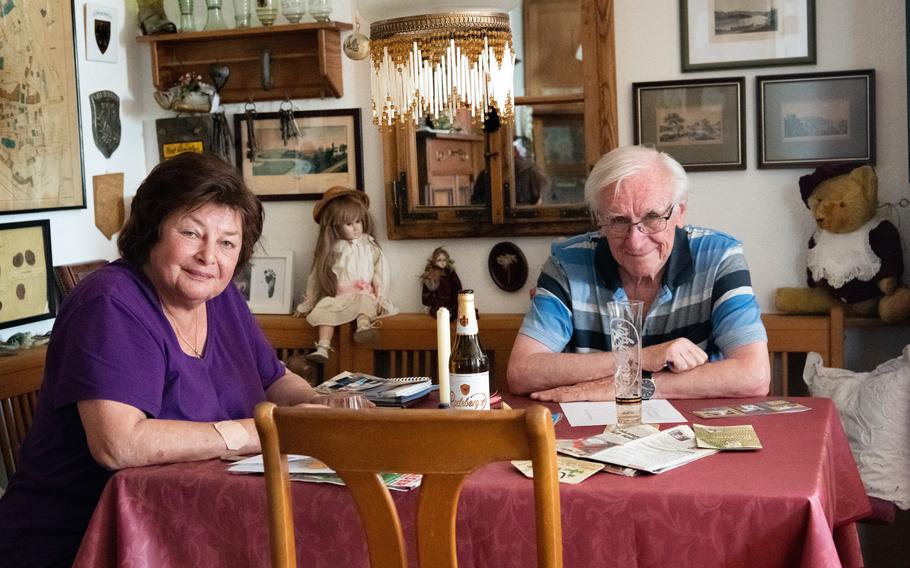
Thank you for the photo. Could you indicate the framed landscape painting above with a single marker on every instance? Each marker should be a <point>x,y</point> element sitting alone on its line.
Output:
<point>700,123</point>
<point>805,121</point>
<point>731,34</point>
<point>325,153</point>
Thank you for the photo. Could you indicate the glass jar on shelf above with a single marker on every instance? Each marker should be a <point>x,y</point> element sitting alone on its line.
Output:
<point>321,10</point>
<point>293,10</point>
<point>242,13</point>
<point>266,11</point>
<point>213,18</point>
<point>187,19</point>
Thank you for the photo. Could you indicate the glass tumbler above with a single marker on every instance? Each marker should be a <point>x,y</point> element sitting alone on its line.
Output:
<point>350,400</point>
<point>321,10</point>
<point>625,343</point>
<point>242,13</point>
<point>266,12</point>
<point>293,10</point>
<point>187,20</point>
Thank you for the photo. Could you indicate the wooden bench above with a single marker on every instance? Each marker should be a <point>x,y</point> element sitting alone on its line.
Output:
<point>407,344</point>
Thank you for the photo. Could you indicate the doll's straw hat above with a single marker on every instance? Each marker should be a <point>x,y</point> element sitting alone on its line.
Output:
<point>334,193</point>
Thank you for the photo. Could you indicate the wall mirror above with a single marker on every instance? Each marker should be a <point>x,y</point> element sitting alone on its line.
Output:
<point>451,178</point>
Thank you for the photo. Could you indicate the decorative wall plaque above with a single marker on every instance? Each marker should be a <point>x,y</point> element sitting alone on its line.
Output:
<point>109,209</point>
<point>105,121</point>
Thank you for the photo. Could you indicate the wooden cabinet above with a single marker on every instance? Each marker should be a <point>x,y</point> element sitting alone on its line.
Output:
<point>448,164</point>
<point>295,61</point>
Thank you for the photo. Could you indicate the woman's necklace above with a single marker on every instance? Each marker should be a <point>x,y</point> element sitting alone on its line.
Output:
<point>191,344</point>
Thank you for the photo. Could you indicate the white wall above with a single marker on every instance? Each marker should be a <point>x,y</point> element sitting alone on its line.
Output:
<point>761,207</point>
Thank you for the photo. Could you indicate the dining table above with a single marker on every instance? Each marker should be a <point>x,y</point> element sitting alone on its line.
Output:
<point>794,502</point>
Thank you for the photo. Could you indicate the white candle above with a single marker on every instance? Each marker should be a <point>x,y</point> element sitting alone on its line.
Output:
<point>443,349</point>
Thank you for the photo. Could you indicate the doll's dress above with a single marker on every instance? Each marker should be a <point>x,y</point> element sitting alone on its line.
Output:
<point>362,274</point>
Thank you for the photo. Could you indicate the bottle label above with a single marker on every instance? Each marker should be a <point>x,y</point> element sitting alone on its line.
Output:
<point>470,391</point>
<point>467,325</point>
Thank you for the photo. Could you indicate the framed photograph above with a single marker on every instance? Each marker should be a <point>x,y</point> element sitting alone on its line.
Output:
<point>101,33</point>
<point>701,123</point>
<point>68,275</point>
<point>808,120</point>
<point>27,291</point>
<point>732,34</point>
<point>267,283</point>
<point>41,149</point>
<point>326,152</point>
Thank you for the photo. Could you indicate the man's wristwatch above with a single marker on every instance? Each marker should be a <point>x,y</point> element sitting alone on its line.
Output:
<point>647,385</point>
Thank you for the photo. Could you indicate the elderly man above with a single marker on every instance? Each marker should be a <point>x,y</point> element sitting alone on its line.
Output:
<point>702,331</point>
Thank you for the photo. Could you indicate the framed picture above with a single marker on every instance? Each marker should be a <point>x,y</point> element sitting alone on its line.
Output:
<point>267,283</point>
<point>41,147</point>
<point>808,120</point>
<point>701,123</point>
<point>68,275</point>
<point>326,152</point>
<point>731,34</point>
<point>27,291</point>
<point>101,33</point>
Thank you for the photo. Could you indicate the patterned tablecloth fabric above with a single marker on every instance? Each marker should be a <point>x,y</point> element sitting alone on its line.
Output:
<point>792,503</point>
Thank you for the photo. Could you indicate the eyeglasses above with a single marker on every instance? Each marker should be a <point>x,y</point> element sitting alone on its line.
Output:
<point>650,224</point>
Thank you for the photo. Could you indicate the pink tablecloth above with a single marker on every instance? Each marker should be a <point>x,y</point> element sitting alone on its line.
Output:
<point>791,504</point>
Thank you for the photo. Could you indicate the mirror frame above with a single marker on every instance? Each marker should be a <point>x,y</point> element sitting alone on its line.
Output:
<point>497,218</point>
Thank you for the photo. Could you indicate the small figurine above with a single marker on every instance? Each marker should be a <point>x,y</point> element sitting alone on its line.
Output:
<point>440,283</point>
<point>350,277</point>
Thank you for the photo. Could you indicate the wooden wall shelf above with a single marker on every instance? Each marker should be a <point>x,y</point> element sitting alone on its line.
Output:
<point>305,60</point>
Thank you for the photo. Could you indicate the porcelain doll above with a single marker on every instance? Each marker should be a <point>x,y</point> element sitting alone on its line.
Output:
<point>349,280</point>
<point>440,283</point>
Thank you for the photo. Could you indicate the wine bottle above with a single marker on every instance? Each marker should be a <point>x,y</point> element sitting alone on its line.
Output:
<point>469,368</point>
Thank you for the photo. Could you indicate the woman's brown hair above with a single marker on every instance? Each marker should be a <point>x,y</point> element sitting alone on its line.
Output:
<point>185,183</point>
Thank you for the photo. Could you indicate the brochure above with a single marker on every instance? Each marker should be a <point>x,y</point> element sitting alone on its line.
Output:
<point>741,437</point>
<point>752,409</point>
<point>571,470</point>
<point>306,468</point>
<point>656,453</point>
<point>586,447</point>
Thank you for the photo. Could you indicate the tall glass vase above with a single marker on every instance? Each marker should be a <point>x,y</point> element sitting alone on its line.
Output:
<point>187,19</point>
<point>625,343</point>
<point>242,13</point>
<point>213,18</point>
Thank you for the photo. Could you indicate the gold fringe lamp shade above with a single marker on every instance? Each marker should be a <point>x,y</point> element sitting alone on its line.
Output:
<point>434,64</point>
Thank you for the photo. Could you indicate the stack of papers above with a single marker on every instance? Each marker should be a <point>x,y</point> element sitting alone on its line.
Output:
<point>398,391</point>
<point>637,449</point>
<point>306,468</point>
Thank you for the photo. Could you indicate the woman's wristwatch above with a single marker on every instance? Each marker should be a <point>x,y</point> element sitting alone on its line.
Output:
<point>647,385</point>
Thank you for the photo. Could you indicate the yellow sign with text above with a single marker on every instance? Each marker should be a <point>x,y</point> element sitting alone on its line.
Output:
<point>171,150</point>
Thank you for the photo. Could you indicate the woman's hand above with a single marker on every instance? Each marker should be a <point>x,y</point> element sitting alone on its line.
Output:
<point>596,390</point>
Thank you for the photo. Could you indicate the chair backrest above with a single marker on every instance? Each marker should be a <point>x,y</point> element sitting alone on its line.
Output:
<point>20,379</point>
<point>359,444</point>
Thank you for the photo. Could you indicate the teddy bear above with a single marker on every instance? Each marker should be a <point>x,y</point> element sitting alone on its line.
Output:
<point>854,255</point>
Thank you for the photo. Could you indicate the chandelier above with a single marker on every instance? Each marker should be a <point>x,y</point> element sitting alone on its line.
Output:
<point>433,64</point>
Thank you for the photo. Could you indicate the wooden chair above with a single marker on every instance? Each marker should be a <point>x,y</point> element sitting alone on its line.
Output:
<point>20,380</point>
<point>790,334</point>
<point>359,444</point>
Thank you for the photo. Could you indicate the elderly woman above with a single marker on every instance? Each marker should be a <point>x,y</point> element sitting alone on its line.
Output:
<point>154,359</point>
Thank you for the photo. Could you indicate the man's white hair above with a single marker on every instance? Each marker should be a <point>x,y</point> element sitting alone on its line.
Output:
<point>630,161</point>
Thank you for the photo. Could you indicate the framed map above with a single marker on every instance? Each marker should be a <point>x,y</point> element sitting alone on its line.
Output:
<point>40,133</point>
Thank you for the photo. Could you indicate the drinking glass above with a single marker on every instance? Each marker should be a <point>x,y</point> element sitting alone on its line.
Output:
<point>321,10</point>
<point>625,343</point>
<point>293,10</point>
<point>266,12</point>
<point>187,19</point>
<point>242,13</point>
<point>351,400</point>
<point>213,18</point>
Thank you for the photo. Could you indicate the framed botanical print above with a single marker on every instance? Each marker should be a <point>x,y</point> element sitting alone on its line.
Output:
<point>322,149</point>
<point>701,123</point>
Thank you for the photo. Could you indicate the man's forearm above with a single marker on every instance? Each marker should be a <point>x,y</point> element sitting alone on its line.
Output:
<point>731,378</point>
<point>534,372</point>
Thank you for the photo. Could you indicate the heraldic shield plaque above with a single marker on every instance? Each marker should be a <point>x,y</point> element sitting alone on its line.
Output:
<point>105,121</point>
